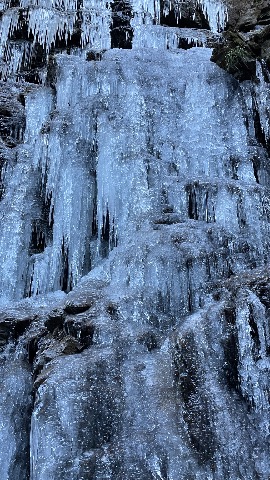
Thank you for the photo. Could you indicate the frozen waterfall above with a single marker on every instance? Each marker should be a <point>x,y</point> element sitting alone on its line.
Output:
<point>134,246</point>
<point>110,150</point>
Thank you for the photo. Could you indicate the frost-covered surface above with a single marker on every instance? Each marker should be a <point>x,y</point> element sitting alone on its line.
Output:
<point>97,189</point>
<point>168,38</point>
<point>46,24</point>
<point>15,414</point>
<point>153,395</point>
<point>262,98</point>
<point>134,253</point>
<point>82,25</point>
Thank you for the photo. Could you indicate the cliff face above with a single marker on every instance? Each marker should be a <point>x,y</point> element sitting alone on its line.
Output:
<point>245,41</point>
<point>247,15</point>
<point>134,243</point>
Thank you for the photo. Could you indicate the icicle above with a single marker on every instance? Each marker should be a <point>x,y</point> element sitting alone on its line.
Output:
<point>16,55</point>
<point>9,23</point>
<point>253,363</point>
<point>216,12</point>
<point>49,21</point>
<point>145,12</point>
<point>263,96</point>
<point>46,24</point>
<point>167,38</point>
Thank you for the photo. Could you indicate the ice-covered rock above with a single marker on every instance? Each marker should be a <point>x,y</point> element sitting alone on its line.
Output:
<point>134,246</point>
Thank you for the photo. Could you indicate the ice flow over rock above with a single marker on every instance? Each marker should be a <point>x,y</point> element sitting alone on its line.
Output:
<point>134,247</point>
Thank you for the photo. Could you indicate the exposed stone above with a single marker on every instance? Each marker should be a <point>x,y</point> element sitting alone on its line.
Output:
<point>42,376</point>
<point>12,120</point>
<point>94,55</point>
<point>112,309</point>
<point>121,30</point>
<point>148,339</point>
<point>12,327</point>
<point>69,346</point>
<point>237,56</point>
<point>81,329</point>
<point>73,307</point>
<point>55,319</point>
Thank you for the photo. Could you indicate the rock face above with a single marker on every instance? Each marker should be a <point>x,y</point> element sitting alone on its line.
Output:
<point>247,39</point>
<point>134,242</point>
<point>246,15</point>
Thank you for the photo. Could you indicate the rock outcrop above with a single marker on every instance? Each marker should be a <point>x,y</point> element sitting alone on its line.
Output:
<point>246,40</point>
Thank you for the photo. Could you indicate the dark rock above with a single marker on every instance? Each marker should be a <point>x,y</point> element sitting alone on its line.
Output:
<point>12,327</point>
<point>55,320</point>
<point>42,376</point>
<point>264,16</point>
<point>112,309</point>
<point>248,20</point>
<point>230,315</point>
<point>82,331</point>
<point>237,56</point>
<point>73,307</point>
<point>4,333</point>
<point>121,30</point>
<point>197,407</point>
<point>70,346</point>
<point>168,219</point>
<point>20,326</point>
<point>12,117</point>
<point>231,355</point>
<point>168,209</point>
<point>263,292</point>
<point>149,340</point>
<point>94,55</point>
<point>238,52</point>
<point>32,348</point>
<point>183,14</point>
<point>51,71</point>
